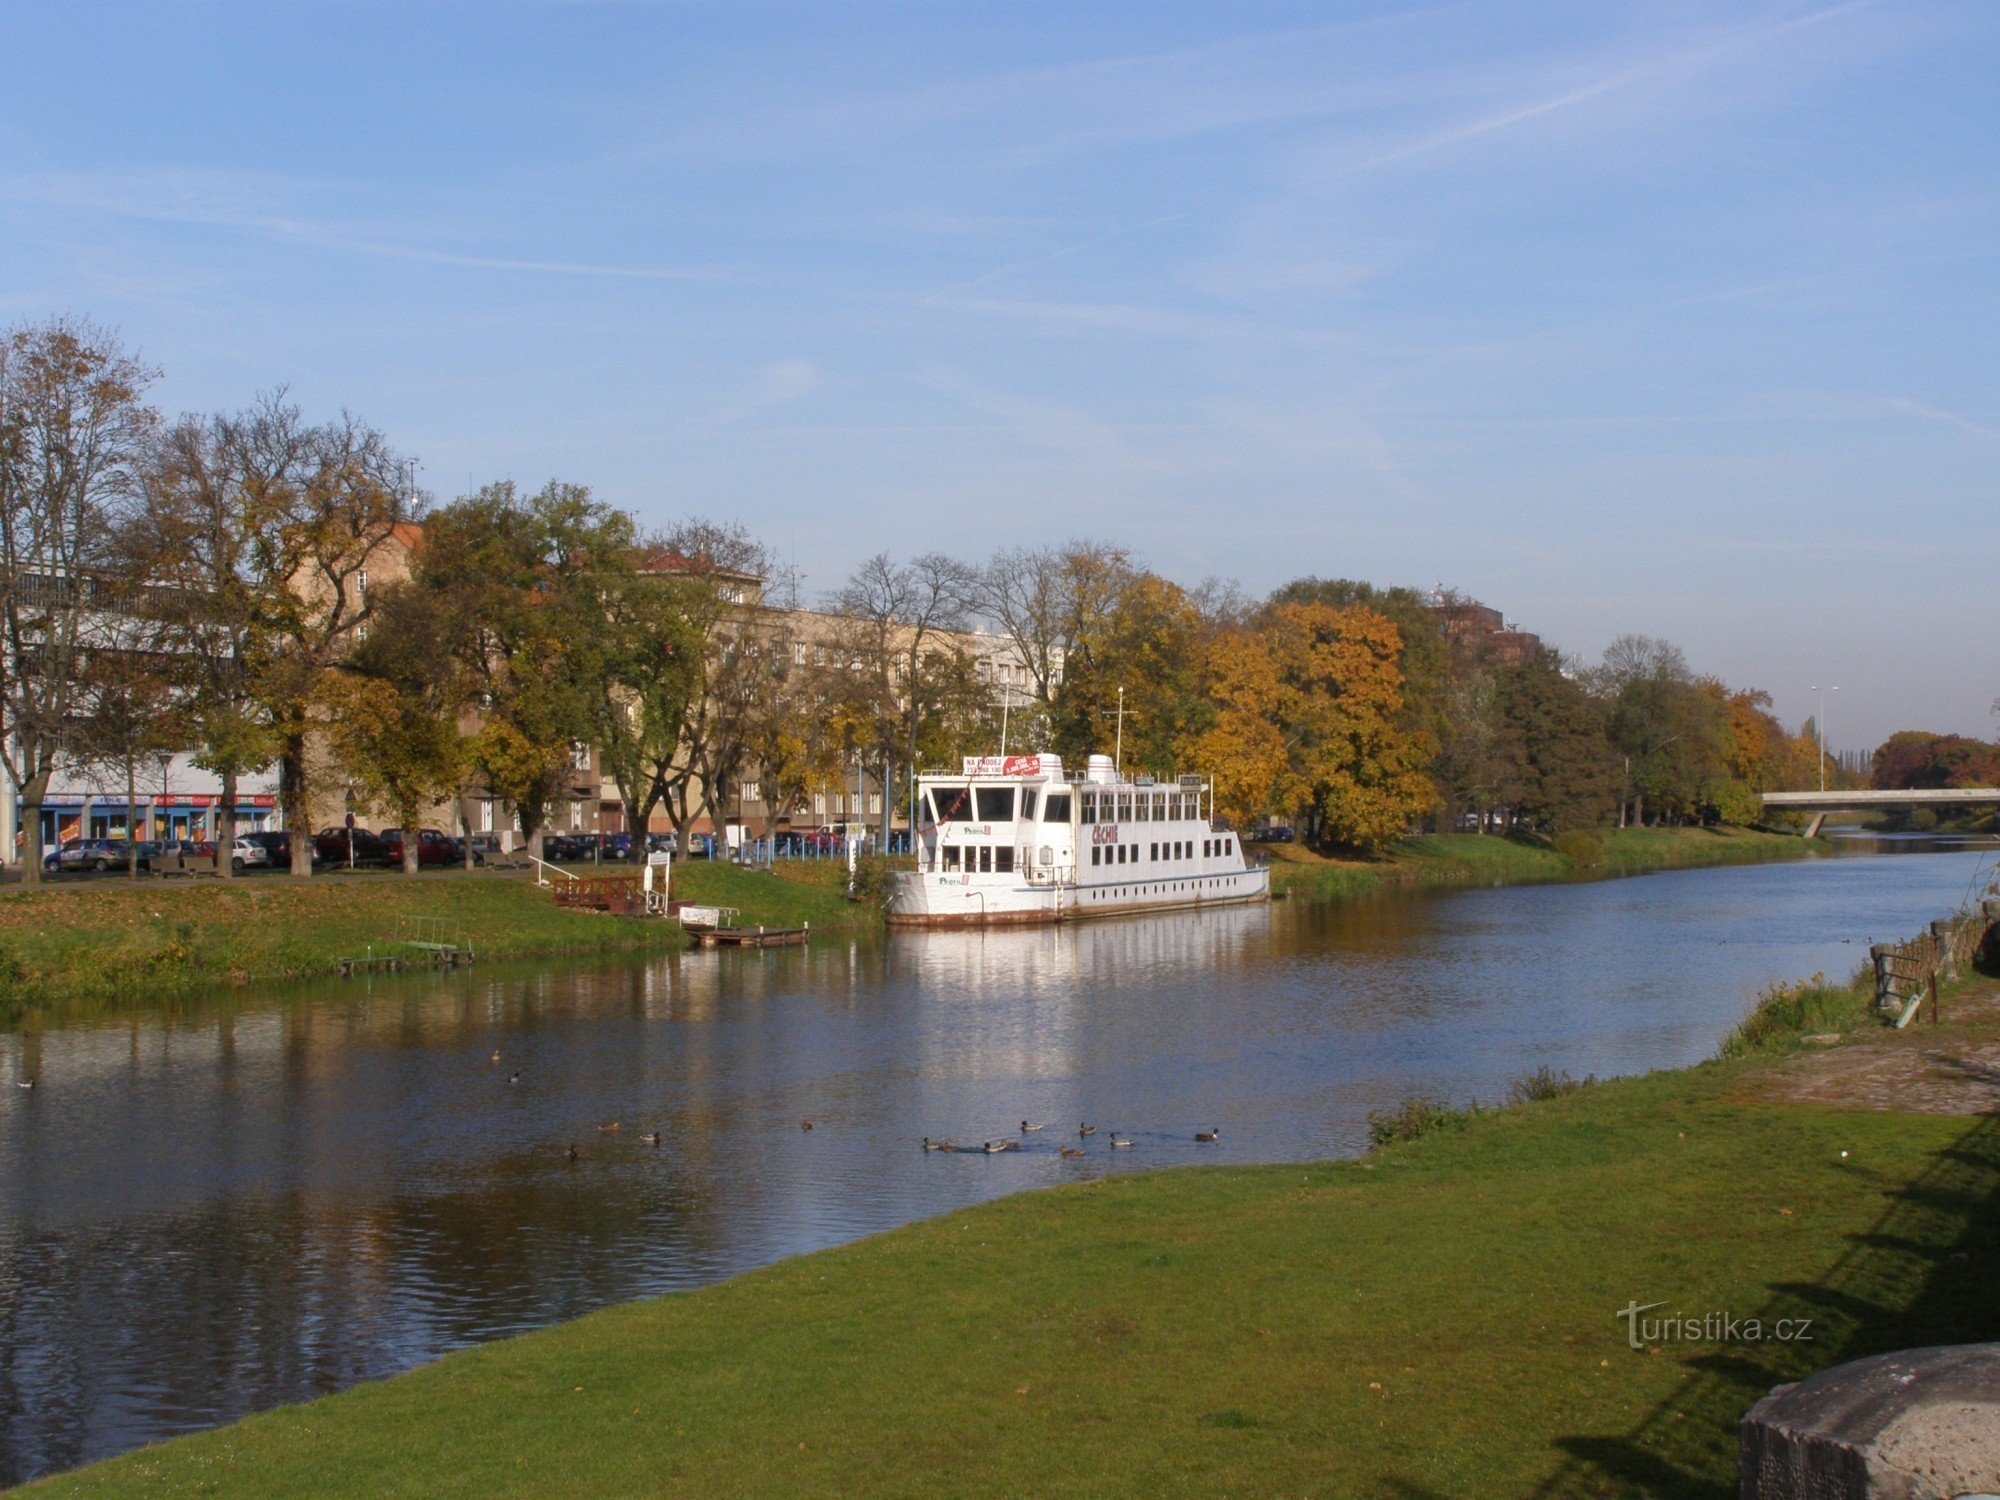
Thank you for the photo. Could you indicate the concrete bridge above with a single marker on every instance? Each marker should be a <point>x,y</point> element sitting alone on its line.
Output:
<point>1819,804</point>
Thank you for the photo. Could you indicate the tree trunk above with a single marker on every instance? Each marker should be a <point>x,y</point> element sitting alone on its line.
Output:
<point>638,819</point>
<point>131,819</point>
<point>33,791</point>
<point>531,830</point>
<point>225,828</point>
<point>292,801</point>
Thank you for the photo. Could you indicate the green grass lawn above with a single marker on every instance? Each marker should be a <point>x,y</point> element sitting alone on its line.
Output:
<point>1438,1319</point>
<point>107,942</point>
<point>789,894</point>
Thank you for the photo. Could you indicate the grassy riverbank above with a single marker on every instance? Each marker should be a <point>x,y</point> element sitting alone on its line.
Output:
<point>1439,1318</point>
<point>1473,859</point>
<point>791,893</point>
<point>107,941</point>
<point>104,942</point>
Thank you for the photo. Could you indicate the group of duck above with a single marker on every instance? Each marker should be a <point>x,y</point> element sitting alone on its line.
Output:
<point>1083,1132</point>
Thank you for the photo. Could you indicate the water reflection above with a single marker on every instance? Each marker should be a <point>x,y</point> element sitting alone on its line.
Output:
<point>281,1195</point>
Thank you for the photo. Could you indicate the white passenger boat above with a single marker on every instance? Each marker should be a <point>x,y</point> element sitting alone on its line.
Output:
<point>1013,840</point>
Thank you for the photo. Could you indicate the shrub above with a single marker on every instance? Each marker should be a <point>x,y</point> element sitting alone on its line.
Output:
<point>1785,1012</point>
<point>874,881</point>
<point>1542,1084</point>
<point>1581,848</point>
<point>1415,1116</point>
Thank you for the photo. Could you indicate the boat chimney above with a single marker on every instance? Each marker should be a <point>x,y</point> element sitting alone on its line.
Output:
<point>1101,770</point>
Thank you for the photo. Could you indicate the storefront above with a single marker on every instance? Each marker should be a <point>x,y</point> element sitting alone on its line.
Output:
<point>191,815</point>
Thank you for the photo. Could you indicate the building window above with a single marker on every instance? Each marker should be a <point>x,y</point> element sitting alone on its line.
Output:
<point>579,757</point>
<point>751,792</point>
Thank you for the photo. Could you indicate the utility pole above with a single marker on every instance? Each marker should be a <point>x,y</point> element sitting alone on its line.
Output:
<point>1118,755</point>
<point>1819,719</point>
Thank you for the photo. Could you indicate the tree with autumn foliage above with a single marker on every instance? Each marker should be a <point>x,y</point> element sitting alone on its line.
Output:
<point>1147,640</point>
<point>1359,770</point>
<point>1243,749</point>
<point>393,710</point>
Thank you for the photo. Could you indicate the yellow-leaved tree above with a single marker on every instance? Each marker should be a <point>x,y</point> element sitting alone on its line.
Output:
<point>1243,748</point>
<point>1358,770</point>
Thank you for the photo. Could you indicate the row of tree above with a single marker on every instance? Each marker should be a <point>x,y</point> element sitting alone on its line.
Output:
<point>204,584</point>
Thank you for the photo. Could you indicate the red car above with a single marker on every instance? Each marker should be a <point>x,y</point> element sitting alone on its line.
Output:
<point>435,848</point>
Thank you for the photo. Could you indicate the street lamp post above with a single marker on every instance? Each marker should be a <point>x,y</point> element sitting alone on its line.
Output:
<point>1819,719</point>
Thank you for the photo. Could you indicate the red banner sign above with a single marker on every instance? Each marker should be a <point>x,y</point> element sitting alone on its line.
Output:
<point>1003,765</point>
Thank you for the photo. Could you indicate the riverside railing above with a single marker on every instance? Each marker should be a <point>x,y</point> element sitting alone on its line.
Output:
<point>1908,972</point>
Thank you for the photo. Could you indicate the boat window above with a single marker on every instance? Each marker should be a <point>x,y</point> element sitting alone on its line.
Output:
<point>1094,853</point>
<point>1003,860</point>
<point>996,804</point>
<point>952,804</point>
<point>1028,804</point>
<point>1055,807</point>
<point>951,856</point>
<point>985,859</point>
<point>1090,807</point>
<point>1124,808</point>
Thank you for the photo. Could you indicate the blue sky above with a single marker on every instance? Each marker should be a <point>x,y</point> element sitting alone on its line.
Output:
<point>1676,318</point>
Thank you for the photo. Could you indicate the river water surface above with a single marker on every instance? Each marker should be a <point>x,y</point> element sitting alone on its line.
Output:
<point>285,1193</point>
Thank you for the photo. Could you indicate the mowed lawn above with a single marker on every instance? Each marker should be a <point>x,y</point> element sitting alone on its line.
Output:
<point>1436,1320</point>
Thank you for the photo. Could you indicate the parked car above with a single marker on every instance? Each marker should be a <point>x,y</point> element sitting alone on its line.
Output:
<point>243,854</point>
<point>87,854</point>
<point>564,847</point>
<point>333,846</point>
<point>277,847</point>
<point>435,848</point>
<point>614,846</point>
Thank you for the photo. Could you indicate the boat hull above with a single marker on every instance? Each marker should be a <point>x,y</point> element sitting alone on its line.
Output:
<point>933,901</point>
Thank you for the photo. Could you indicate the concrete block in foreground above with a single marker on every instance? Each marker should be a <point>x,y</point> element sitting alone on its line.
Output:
<point>1923,1424</point>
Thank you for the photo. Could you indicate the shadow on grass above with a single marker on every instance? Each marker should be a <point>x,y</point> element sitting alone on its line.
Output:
<point>1921,1274</point>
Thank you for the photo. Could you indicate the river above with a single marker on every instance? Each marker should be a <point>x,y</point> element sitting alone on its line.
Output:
<point>284,1193</point>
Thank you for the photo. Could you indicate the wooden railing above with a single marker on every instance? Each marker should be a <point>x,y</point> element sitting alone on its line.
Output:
<point>621,895</point>
<point>1908,972</point>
